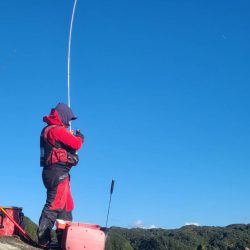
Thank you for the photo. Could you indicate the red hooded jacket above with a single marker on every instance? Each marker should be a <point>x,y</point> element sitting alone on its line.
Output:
<point>59,134</point>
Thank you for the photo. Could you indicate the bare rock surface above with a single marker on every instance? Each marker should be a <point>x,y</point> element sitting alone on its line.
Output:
<point>14,243</point>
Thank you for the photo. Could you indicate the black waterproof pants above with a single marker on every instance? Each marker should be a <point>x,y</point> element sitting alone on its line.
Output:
<point>52,177</point>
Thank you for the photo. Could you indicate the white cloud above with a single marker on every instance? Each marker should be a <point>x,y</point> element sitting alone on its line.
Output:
<point>192,224</point>
<point>140,224</point>
<point>137,224</point>
<point>152,227</point>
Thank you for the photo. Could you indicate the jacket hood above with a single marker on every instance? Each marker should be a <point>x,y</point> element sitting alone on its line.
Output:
<point>53,118</point>
<point>60,115</point>
<point>65,113</point>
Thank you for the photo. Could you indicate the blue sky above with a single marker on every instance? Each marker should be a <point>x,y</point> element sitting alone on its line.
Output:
<point>161,89</point>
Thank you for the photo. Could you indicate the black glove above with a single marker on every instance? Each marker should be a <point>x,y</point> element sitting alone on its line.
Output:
<point>79,134</point>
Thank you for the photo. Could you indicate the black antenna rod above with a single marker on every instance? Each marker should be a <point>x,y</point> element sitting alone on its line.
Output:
<point>111,192</point>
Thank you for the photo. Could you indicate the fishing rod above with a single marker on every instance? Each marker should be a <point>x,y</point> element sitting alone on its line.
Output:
<point>69,51</point>
<point>112,186</point>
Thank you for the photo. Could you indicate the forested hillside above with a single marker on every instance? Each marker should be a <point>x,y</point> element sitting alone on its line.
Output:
<point>232,237</point>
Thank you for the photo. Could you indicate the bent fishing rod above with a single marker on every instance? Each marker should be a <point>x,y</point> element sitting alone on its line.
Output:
<point>69,51</point>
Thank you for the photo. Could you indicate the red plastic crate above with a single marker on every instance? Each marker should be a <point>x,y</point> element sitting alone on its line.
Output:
<point>7,227</point>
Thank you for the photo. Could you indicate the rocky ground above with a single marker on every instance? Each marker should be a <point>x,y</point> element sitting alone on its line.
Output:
<point>14,243</point>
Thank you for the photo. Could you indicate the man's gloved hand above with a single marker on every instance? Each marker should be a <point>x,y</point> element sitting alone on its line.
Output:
<point>79,134</point>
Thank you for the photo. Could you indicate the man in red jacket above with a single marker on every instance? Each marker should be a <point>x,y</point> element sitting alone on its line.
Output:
<point>58,148</point>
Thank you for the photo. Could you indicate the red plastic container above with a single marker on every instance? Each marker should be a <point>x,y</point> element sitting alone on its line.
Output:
<point>7,227</point>
<point>81,236</point>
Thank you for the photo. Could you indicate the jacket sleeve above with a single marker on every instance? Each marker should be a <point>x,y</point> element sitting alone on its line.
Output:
<point>62,134</point>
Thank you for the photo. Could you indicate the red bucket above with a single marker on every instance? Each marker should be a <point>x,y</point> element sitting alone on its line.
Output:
<point>7,227</point>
